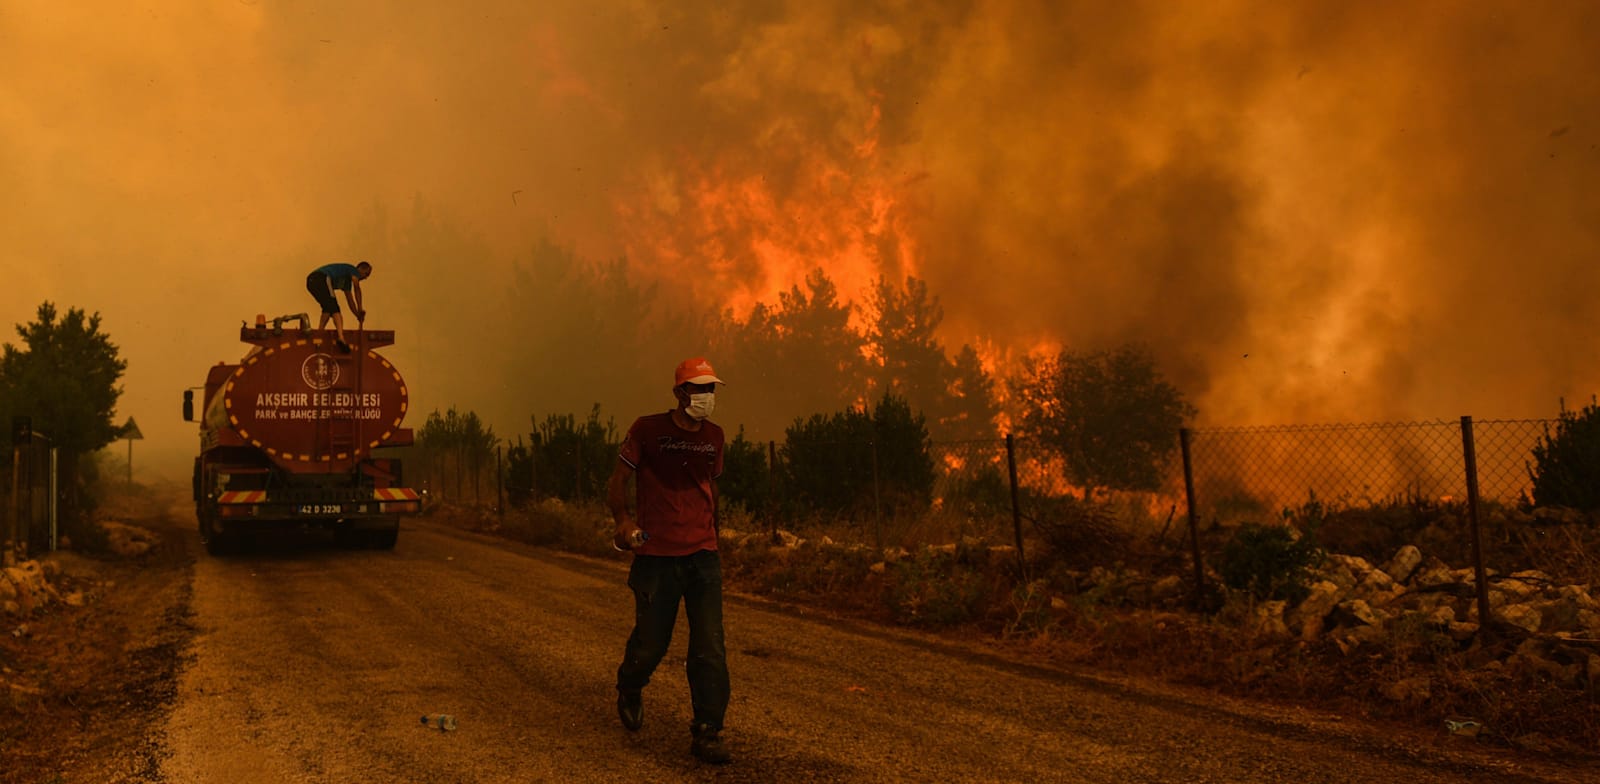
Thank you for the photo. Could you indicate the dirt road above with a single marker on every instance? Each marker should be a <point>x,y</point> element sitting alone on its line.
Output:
<point>307,663</point>
<point>315,664</point>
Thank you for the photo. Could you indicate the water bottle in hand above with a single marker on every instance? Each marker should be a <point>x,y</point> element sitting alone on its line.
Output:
<point>444,721</point>
<point>633,540</point>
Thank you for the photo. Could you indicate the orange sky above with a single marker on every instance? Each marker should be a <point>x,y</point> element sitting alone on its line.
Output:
<point>1315,211</point>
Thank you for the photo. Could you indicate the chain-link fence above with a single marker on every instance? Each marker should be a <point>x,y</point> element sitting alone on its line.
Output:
<point>1000,492</point>
<point>1242,473</point>
<point>1368,488</point>
<point>851,492</point>
<point>1016,491</point>
<point>1504,456</point>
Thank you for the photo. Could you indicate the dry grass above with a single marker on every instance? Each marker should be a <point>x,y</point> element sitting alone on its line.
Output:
<point>578,528</point>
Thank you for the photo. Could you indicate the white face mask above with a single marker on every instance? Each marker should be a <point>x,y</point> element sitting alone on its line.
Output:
<point>701,404</point>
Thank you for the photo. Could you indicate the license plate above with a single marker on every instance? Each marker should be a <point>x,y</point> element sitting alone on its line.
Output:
<point>320,509</point>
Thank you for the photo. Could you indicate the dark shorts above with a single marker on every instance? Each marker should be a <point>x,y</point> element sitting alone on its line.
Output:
<point>317,284</point>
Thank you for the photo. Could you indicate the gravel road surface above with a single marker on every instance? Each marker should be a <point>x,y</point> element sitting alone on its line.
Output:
<point>313,664</point>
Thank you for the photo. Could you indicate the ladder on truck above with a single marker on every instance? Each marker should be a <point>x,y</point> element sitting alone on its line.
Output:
<point>345,434</point>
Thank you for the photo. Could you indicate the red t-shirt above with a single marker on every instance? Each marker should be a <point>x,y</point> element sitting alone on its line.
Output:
<point>676,468</point>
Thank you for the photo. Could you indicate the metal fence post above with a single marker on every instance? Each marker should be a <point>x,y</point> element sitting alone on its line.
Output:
<point>28,481</point>
<point>1016,508</point>
<point>499,483</point>
<point>772,488</point>
<point>533,468</point>
<point>54,473</point>
<point>877,503</point>
<point>1194,521</point>
<point>14,510</point>
<point>1471,458</point>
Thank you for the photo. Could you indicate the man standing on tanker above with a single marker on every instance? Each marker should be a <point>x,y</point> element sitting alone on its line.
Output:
<point>329,278</point>
<point>674,459</point>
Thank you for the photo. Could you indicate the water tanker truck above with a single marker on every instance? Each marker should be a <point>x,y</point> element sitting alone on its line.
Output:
<point>299,434</point>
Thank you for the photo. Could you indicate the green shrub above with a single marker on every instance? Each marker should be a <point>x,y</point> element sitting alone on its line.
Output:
<point>1269,562</point>
<point>817,572</point>
<point>1566,463</point>
<point>935,589</point>
<point>746,480</point>
<point>857,462</point>
<point>575,527</point>
<point>980,491</point>
<point>519,474</point>
<point>1031,614</point>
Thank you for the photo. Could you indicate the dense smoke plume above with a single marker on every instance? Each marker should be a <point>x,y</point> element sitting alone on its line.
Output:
<point>1316,211</point>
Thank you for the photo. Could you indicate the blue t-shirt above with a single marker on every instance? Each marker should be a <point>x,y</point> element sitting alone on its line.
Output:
<point>339,274</point>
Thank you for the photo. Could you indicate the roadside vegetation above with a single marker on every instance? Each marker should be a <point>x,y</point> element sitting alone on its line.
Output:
<point>1133,612</point>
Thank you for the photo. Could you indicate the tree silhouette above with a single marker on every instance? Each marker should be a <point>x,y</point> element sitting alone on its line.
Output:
<point>851,461</point>
<point>1566,463</point>
<point>956,397</point>
<point>792,359</point>
<point>1109,415</point>
<point>908,359</point>
<point>746,477</point>
<point>970,405</point>
<point>457,447</point>
<point>64,376</point>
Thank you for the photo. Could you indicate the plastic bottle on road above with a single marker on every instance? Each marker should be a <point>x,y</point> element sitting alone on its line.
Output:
<point>443,721</point>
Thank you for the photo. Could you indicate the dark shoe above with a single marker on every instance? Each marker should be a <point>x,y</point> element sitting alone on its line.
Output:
<point>708,746</point>
<point>630,708</point>
<point>344,348</point>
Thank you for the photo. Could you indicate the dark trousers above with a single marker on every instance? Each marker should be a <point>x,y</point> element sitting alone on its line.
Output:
<point>659,583</point>
<point>317,284</point>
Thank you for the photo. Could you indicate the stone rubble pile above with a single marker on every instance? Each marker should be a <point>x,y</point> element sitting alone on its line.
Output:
<point>1553,630</point>
<point>29,585</point>
<point>1353,603</point>
<point>34,583</point>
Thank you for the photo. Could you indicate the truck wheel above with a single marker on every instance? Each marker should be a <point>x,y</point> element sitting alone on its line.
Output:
<point>216,542</point>
<point>346,536</point>
<point>382,538</point>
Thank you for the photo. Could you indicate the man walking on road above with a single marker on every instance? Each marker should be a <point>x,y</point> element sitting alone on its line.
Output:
<point>329,278</point>
<point>674,459</point>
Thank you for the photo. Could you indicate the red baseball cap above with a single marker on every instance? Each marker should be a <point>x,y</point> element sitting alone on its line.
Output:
<point>695,370</point>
